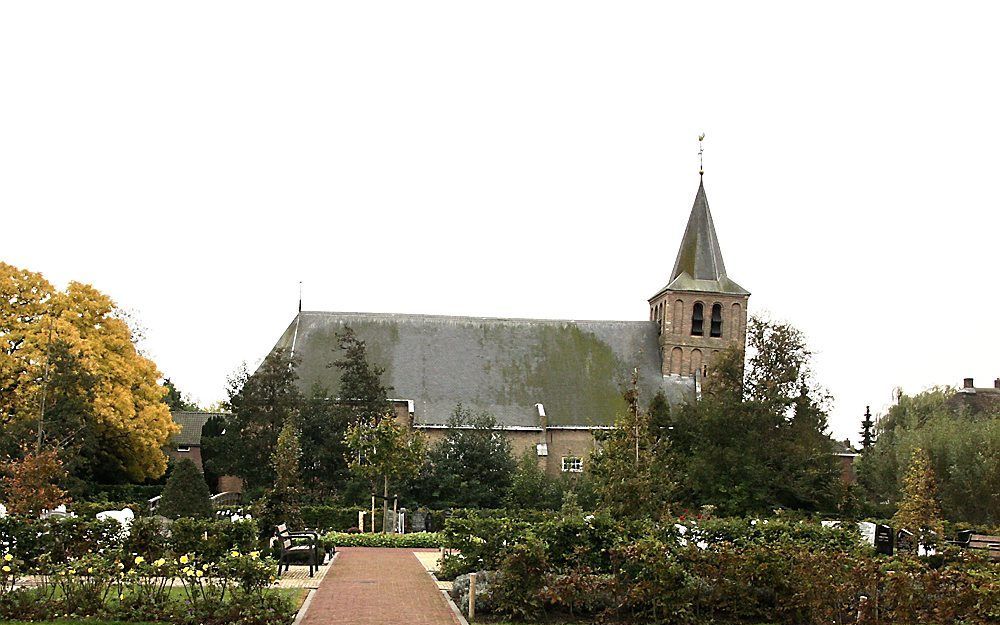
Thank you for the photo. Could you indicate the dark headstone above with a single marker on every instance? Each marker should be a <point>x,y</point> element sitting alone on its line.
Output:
<point>883,539</point>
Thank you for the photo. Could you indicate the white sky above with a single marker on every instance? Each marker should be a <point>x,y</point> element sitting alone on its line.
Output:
<point>195,160</point>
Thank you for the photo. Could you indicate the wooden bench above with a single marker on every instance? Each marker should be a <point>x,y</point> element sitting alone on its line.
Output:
<point>989,543</point>
<point>292,544</point>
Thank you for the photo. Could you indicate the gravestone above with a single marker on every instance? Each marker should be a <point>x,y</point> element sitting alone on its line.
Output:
<point>867,531</point>
<point>883,539</point>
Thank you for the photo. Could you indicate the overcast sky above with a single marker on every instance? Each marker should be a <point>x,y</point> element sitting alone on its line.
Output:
<point>195,160</point>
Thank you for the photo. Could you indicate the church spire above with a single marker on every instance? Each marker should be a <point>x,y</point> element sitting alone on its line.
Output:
<point>699,265</point>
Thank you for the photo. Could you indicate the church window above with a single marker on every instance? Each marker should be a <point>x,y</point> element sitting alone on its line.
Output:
<point>572,464</point>
<point>717,321</point>
<point>676,360</point>
<point>698,320</point>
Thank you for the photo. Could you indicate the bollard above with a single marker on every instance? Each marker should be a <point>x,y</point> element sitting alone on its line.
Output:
<point>472,596</point>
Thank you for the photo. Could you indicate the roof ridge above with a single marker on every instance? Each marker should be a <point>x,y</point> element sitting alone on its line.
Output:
<point>421,316</point>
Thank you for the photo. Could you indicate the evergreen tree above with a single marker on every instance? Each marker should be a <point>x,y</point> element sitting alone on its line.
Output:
<point>632,465</point>
<point>186,493</point>
<point>175,401</point>
<point>282,503</point>
<point>659,414</point>
<point>531,488</point>
<point>259,406</point>
<point>361,391</point>
<point>867,430</point>
<point>918,510</point>
<point>472,466</point>
<point>323,426</point>
<point>757,440</point>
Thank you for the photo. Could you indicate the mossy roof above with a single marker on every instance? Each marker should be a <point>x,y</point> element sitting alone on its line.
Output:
<point>575,369</point>
<point>699,265</point>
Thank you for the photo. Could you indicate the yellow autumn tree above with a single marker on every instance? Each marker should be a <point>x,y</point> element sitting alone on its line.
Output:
<point>125,418</point>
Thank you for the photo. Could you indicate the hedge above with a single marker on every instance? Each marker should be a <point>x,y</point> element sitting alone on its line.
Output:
<point>37,541</point>
<point>416,540</point>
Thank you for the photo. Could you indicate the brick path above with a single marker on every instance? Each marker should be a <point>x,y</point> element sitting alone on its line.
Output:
<point>378,587</point>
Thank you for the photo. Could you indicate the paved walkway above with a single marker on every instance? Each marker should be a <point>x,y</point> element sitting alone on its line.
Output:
<point>378,587</point>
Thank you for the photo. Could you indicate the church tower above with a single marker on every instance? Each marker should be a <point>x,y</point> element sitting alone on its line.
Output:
<point>701,311</point>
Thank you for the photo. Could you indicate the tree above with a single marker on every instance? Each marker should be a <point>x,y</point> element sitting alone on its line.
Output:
<point>175,401</point>
<point>31,484</point>
<point>382,452</point>
<point>70,374</point>
<point>531,488</point>
<point>867,430</point>
<point>259,404</point>
<point>757,440</point>
<point>186,493</point>
<point>323,425</point>
<point>964,450</point>
<point>472,466</point>
<point>632,464</point>
<point>282,502</point>
<point>918,510</point>
<point>361,391</point>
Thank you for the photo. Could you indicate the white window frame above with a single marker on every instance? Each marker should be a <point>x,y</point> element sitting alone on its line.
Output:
<point>183,449</point>
<point>572,464</point>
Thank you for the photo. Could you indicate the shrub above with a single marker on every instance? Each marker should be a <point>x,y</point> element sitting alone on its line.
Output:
<point>329,518</point>
<point>416,540</point>
<point>517,589</point>
<point>188,536</point>
<point>54,540</point>
<point>186,493</point>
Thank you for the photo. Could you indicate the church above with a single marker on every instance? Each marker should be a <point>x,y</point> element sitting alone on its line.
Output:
<point>549,383</point>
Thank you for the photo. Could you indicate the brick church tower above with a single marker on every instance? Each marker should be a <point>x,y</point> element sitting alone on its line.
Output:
<point>700,311</point>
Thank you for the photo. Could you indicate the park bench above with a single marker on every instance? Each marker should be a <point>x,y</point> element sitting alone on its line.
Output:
<point>984,542</point>
<point>293,544</point>
<point>990,543</point>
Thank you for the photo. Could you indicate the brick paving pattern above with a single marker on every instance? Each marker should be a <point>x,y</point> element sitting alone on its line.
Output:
<point>367,586</point>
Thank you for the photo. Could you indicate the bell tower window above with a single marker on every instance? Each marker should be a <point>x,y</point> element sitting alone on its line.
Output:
<point>716,321</point>
<point>698,320</point>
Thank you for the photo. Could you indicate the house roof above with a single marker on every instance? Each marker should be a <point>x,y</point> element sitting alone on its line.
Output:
<point>699,265</point>
<point>575,369</point>
<point>191,424</point>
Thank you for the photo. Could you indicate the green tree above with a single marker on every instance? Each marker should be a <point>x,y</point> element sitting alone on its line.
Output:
<point>632,464</point>
<point>918,510</point>
<point>323,427</point>
<point>757,440</point>
<point>175,401</point>
<point>472,466</point>
<point>361,391</point>
<point>383,453</point>
<point>186,493</point>
<point>963,446</point>
<point>259,405</point>
<point>282,503</point>
<point>531,488</point>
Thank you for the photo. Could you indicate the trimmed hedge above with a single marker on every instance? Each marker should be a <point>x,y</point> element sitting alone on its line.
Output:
<point>37,541</point>
<point>416,540</point>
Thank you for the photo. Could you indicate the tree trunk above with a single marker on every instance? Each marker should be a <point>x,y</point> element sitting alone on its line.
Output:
<point>385,502</point>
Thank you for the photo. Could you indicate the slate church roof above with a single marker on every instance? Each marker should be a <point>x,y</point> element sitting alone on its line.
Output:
<point>699,265</point>
<point>575,369</point>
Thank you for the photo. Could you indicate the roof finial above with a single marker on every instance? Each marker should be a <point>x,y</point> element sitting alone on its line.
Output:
<point>300,295</point>
<point>701,150</point>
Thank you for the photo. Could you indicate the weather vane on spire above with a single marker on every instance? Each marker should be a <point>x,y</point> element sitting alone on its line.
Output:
<point>701,151</point>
